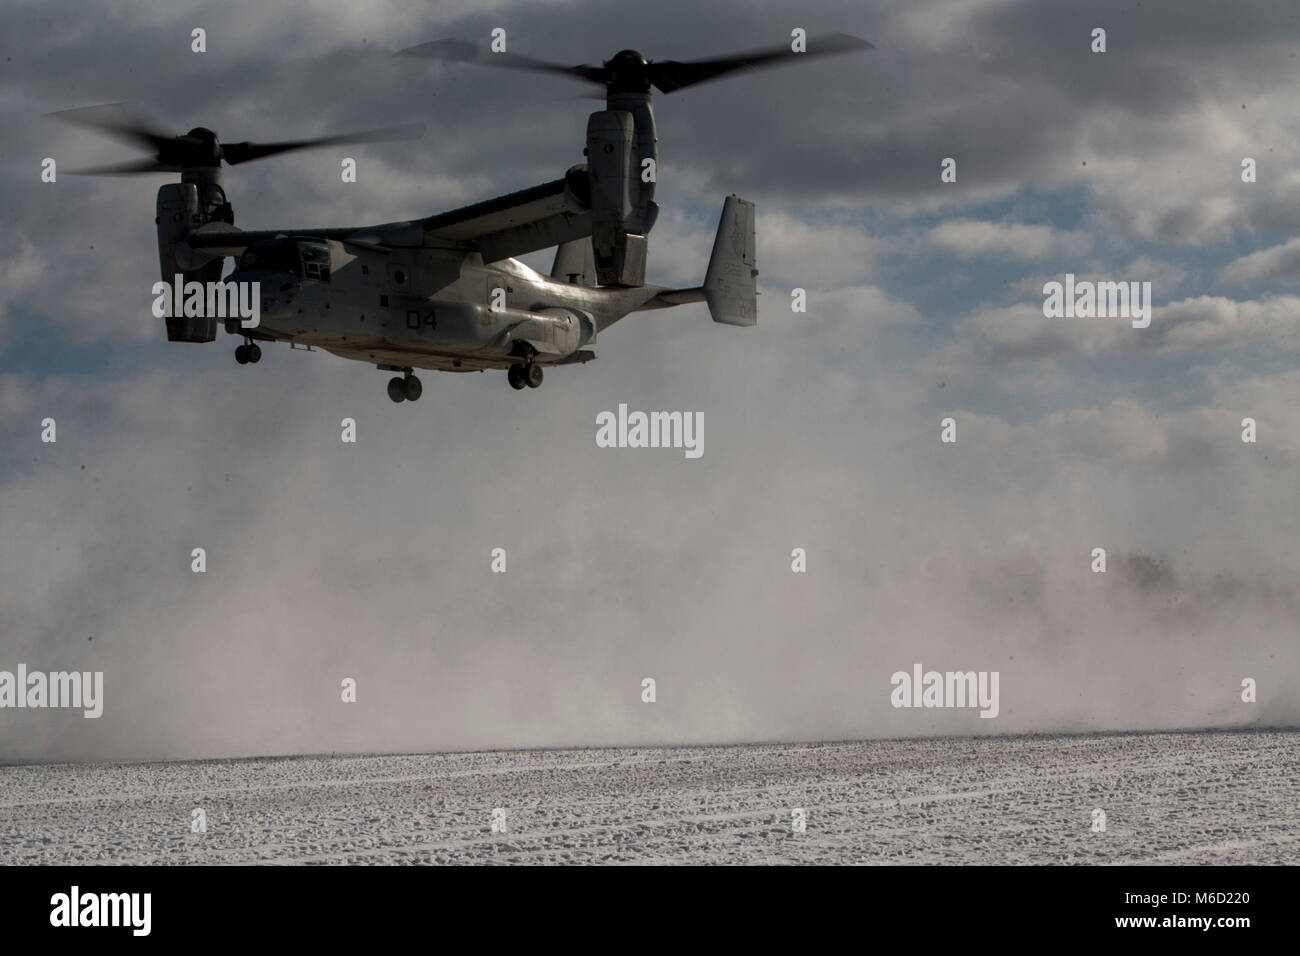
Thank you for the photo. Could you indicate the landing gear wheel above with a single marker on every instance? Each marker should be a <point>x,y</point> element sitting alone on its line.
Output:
<point>396,390</point>
<point>254,353</point>
<point>515,376</point>
<point>241,354</point>
<point>412,388</point>
<point>532,375</point>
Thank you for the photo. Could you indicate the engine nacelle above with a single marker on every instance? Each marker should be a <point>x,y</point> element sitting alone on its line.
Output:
<point>617,213</point>
<point>577,188</point>
<point>180,212</point>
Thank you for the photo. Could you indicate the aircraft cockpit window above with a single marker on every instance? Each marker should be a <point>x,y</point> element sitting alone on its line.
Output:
<point>316,261</point>
<point>277,255</point>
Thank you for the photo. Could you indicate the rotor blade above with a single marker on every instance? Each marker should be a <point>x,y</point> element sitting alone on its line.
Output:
<point>122,169</point>
<point>672,75</point>
<point>236,153</point>
<point>115,120</point>
<point>462,51</point>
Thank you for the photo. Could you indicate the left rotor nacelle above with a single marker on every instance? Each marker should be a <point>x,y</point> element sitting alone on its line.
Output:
<point>182,208</point>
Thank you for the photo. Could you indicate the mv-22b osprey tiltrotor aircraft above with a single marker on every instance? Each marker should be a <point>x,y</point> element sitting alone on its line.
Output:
<point>444,292</point>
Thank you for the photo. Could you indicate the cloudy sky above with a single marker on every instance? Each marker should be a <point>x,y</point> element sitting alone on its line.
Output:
<point>822,429</point>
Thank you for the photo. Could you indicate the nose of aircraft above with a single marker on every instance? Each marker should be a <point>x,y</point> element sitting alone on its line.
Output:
<point>276,291</point>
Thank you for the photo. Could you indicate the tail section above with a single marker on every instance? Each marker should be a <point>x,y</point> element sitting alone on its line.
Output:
<point>730,284</point>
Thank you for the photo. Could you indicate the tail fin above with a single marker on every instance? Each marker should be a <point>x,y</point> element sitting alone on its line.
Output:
<point>730,286</point>
<point>575,262</point>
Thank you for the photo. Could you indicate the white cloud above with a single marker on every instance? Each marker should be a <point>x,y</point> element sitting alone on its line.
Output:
<point>1199,325</point>
<point>969,238</point>
<point>1281,261</point>
<point>1205,323</point>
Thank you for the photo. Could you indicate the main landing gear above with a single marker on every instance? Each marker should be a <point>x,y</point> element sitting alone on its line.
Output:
<point>520,375</point>
<point>405,389</point>
<point>248,353</point>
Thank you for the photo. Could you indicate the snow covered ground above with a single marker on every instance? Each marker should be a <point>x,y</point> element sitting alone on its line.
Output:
<point>1167,798</point>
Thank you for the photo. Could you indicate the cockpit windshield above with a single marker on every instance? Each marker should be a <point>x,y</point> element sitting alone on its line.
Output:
<point>315,260</point>
<point>303,258</point>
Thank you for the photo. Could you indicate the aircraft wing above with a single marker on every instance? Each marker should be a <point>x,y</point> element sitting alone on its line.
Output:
<point>226,240</point>
<point>511,225</point>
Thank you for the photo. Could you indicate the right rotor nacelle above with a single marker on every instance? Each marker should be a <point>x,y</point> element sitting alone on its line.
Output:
<point>622,210</point>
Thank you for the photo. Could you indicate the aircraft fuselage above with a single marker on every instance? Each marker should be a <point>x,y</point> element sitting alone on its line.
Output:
<point>424,308</point>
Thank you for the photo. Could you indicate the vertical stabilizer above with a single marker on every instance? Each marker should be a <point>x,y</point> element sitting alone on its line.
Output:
<point>730,285</point>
